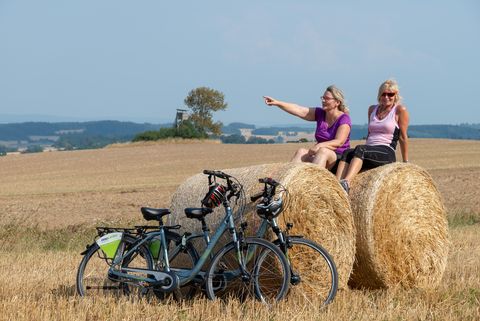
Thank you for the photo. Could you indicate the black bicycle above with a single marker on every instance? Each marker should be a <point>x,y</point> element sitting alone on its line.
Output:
<point>313,271</point>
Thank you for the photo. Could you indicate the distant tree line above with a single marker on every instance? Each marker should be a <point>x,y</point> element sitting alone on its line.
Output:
<point>239,139</point>
<point>87,141</point>
<point>186,129</point>
<point>108,128</point>
<point>88,135</point>
<point>30,149</point>
<point>234,128</point>
<point>464,131</point>
<point>4,150</point>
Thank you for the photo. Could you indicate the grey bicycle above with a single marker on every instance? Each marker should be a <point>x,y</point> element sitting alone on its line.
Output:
<point>245,267</point>
<point>313,271</point>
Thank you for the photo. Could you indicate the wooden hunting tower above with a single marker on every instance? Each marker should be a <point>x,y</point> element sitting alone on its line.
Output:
<point>182,115</point>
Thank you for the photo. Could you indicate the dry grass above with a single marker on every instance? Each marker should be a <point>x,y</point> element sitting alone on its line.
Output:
<point>48,192</point>
<point>38,285</point>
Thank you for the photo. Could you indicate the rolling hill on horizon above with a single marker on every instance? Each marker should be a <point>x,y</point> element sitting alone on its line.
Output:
<point>96,134</point>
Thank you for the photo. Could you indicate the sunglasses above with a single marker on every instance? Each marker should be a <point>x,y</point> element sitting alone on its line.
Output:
<point>388,95</point>
<point>327,98</point>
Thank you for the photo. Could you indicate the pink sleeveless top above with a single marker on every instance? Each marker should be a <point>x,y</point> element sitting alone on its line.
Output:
<point>383,131</point>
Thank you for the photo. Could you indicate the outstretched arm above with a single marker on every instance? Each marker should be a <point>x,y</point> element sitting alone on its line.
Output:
<point>291,108</point>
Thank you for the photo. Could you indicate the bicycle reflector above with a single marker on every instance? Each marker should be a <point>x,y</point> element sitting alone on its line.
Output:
<point>214,196</point>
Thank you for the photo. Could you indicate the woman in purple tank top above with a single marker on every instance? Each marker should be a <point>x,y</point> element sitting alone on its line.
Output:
<point>333,128</point>
<point>387,124</point>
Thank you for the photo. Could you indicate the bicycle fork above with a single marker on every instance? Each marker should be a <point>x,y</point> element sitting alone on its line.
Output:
<point>283,240</point>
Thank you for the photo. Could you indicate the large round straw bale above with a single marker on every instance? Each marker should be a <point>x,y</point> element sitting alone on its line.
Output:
<point>402,231</point>
<point>318,207</point>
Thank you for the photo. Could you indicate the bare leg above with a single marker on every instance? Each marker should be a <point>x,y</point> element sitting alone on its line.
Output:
<point>342,169</point>
<point>354,168</point>
<point>325,158</point>
<point>301,155</point>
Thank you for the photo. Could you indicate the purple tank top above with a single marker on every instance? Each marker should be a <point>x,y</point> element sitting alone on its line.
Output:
<point>324,133</point>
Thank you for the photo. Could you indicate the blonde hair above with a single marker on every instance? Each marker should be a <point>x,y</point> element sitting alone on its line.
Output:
<point>391,85</point>
<point>338,95</point>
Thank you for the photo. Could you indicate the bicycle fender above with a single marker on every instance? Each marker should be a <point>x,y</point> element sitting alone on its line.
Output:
<point>87,248</point>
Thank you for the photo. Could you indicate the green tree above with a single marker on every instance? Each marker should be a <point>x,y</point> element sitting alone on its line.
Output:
<point>34,149</point>
<point>187,129</point>
<point>3,150</point>
<point>203,101</point>
<point>233,139</point>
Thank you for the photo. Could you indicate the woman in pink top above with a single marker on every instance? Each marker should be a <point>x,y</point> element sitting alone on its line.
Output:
<point>387,124</point>
<point>333,128</point>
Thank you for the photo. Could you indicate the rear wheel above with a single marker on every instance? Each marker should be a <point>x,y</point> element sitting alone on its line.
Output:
<point>313,271</point>
<point>93,277</point>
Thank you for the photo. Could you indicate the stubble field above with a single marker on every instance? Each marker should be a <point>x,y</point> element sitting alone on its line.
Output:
<point>50,203</point>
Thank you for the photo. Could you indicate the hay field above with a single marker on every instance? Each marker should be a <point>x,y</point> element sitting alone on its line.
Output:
<point>50,202</point>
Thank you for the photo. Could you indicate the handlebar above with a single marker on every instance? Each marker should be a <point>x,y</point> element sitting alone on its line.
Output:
<point>269,181</point>
<point>268,190</point>
<point>218,174</point>
<point>233,186</point>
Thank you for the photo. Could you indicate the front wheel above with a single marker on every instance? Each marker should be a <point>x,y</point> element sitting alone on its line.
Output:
<point>258,270</point>
<point>313,271</point>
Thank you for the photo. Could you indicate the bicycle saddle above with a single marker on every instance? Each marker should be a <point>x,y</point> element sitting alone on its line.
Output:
<point>154,214</point>
<point>198,212</point>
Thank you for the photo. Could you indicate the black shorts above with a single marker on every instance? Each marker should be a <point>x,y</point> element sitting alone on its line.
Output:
<point>372,156</point>
<point>334,168</point>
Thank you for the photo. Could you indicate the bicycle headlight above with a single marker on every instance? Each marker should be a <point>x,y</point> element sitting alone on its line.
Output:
<point>271,210</point>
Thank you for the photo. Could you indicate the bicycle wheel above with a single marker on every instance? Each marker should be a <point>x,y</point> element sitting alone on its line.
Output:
<point>93,278</point>
<point>180,259</point>
<point>265,274</point>
<point>313,271</point>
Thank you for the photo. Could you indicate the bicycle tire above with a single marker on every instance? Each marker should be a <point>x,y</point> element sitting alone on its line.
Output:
<point>313,271</point>
<point>268,272</point>
<point>185,259</point>
<point>92,275</point>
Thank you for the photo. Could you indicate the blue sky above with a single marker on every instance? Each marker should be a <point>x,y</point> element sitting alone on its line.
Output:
<point>137,60</point>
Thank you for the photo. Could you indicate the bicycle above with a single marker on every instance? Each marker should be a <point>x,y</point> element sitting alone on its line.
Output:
<point>247,266</point>
<point>313,271</point>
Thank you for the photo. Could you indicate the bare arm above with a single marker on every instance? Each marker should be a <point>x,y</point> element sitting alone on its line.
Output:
<point>291,108</point>
<point>403,120</point>
<point>370,111</point>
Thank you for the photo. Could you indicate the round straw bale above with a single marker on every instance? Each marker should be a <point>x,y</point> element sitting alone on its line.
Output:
<point>318,207</point>
<point>402,231</point>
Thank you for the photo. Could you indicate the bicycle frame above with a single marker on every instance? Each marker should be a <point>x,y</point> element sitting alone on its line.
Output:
<point>184,275</point>
<point>262,229</point>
